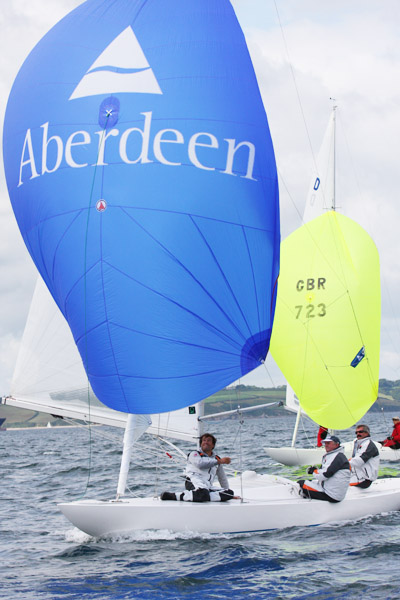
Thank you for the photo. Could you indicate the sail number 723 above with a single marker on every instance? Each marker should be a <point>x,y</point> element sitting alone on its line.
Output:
<point>310,310</point>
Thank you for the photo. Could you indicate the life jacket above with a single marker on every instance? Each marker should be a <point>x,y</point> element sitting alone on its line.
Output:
<point>365,461</point>
<point>394,438</point>
<point>334,474</point>
<point>202,469</point>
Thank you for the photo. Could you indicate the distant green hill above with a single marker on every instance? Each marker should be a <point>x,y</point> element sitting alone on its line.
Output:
<point>18,417</point>
<point>244,395</point>
<point>390,389</point>
<point>226,399</point>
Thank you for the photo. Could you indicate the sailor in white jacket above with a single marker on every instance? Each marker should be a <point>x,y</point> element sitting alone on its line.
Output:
<point>202,467</point>
<point>365,459</point>
<point>331,480</point>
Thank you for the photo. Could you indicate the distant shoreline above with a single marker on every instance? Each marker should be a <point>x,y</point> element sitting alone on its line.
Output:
<point>45,427</point>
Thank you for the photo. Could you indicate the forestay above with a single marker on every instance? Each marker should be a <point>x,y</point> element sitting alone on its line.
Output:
<point>320,198</point>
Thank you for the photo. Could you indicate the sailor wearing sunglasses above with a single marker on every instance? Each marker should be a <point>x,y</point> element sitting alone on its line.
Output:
<point>365,459</point>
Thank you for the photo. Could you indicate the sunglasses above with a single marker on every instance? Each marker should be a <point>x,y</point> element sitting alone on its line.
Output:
<point>360,432</point>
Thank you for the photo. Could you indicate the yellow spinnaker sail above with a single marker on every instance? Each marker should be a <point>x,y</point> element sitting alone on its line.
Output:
<point>328,313</point>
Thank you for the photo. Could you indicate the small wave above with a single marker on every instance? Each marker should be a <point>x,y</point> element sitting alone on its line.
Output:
<point>375,549</point>
<point>76,536</point>
<point>28,466</point>
<point>78,551</point>
<point>72,470</point>
<point>366,519</point>
<point>151,535</point>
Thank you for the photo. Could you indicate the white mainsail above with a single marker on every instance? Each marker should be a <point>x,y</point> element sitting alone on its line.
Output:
<point>49,377</point>
<point>321,191</point>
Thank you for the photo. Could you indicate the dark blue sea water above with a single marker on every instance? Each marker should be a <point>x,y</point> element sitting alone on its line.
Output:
<point>43,557</point>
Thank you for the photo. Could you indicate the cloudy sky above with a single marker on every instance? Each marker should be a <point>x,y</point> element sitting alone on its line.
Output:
<point>304,53</point>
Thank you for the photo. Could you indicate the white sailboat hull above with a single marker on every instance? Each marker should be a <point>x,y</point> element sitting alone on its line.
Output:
<point>389,455</point>
<point>269,503</point>
<point>293,456</point>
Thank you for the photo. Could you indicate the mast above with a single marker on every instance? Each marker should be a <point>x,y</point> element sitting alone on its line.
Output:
<point>135,426</point>
<point>333,207</point>
<point>296,427</point>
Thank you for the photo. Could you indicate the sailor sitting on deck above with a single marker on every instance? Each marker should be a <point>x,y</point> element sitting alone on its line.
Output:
<point>331,480</point>
<point>365,459</point>
<point>393,441</point>
<point>201,469</point>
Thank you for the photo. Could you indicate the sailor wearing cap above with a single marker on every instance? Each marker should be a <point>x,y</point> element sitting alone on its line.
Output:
<point>331,480</point>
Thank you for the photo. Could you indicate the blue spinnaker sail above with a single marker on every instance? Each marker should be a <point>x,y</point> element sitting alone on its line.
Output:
<point>142,175</point>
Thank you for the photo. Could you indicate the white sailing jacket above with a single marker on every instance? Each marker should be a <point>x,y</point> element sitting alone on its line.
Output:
<point>334,474</point>
<point>202,470</point>
<point>365,461</point>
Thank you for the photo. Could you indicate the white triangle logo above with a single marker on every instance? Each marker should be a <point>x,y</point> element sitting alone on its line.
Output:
<point>121,67</point>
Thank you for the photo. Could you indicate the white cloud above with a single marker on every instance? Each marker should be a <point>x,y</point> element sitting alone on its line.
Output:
<point>22,23</point>
<point>349,51</point>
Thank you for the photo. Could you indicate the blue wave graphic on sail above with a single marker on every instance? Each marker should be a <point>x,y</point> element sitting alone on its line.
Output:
<point>117,69</point>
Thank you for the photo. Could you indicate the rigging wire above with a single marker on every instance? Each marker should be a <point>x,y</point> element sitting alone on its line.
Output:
<point>85,301</point>
<point>295,84</point>
<point>372,228</point>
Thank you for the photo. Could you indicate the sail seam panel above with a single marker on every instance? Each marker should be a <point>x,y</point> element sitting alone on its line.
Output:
<point>195,216</point>
<point>146,208</point>
<point>64,233</point>
<point>184,308</point>
<point>74,285</point>
<point>174,340</point>
<point>172,377</point>
<point>252,275</point>
<point>222,275</point>
<point>194,278</point>
<point>106,317</point>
